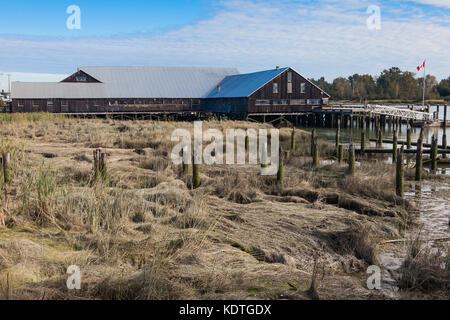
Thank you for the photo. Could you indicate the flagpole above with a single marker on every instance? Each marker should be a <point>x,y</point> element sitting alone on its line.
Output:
<point>424,75</point>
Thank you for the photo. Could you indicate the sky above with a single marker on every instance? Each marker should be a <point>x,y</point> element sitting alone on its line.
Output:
<point>317,38</point>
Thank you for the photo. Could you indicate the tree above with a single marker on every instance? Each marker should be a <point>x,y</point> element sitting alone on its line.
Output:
<point>341,89</point>
<point>444,87</point>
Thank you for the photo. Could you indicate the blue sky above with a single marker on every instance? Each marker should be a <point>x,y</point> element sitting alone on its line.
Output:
<point>317,37</point>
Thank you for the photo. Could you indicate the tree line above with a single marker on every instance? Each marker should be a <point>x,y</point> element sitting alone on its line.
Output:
<point>392,84</point>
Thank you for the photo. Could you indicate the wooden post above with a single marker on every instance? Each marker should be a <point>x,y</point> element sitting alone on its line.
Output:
<point>363,142</point>
<point>247,142</point>
<point>400,175</point>
<point>394,147</point>
<point>422,134</point>
<point>340,153</point>
<point>103,165</point>
<point>280,166</point>
<point>444,134</point>
<point>292,140</point>
<point>408,138</point>
<point>313,136</point>
<point>338,138</point>
<point>6,157</point>
<point>315,154</point>
<point>419,160</point>
<point>434,149</point>
<point>380,138</point>
<point>351,159</point>
<point>185,165</point>
<point>195,173</point>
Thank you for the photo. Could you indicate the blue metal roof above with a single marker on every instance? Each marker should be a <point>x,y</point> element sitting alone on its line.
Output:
<point>243,85</point>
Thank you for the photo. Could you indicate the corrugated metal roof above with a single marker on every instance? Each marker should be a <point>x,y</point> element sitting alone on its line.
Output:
<point>243,85</point>
<point>55,90</point>
<point>159,82</point>
<point>130,82</point>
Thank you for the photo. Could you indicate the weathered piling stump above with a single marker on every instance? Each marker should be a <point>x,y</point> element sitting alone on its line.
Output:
<point>313,136</point>
<point>341,153</point>
<point>422,134</point>
<point>379,138</point>
<point>400,175</point>
<point>408,138</point>
<point>247,142</point>
<point>394,147</point>
<point>315,153</point>
<point>184,162</point>
<point>351,159</point>
<point>444,135</point>
<point>338,138</point>
<point>363,142</point>
<point>280,173</point>
<point>195,174</point>
<point>419,160</point>
<point>292,140</point>
<point>434,153</point>
<point>6,163</point>
<point>100,165</point>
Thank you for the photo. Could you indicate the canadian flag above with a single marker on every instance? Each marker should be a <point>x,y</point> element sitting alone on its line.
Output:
<point>421,66</point>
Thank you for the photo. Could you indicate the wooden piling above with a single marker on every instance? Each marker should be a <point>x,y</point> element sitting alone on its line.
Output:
<point>363,142</point>
<point>185,165</point>
<point>408,138</point>
<point>394,147</point>
<point>340,153</point>
<point>313,136</point>
<point>280,172</point>
<point>444,134</point>
<point>400,175</point>
<point>315,153</point>
<point>351,159</point>
<point>380,138</point>
<point>195,174</point>
<point>292,140</point>
<point>434,153</point>
<point>6,161</point>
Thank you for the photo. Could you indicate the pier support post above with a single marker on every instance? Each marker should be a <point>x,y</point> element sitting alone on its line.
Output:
<point>351,159</point>
<point>400,175</point>
<point>408,138</point>
<point>419,160</point>
<point>380,138</point>
<point>315,153</point>
<point>313,136</point>
<point>394,147</point>
<point>280,173</point>
<point>195,173</point>
<point>292,140</point>
<point>434,153</point>
<point>340,153</point>
<point>444,134</point>
<point>363,142</point>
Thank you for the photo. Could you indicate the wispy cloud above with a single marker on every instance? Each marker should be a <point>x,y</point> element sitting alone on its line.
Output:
<point>328,38</point>
<point>438,3</point>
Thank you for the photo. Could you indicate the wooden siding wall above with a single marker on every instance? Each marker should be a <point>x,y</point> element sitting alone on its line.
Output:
<point>105,105</point>
<point>226,105</point>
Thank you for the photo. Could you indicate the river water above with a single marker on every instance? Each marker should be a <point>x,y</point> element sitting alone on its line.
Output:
<point>431,198</point>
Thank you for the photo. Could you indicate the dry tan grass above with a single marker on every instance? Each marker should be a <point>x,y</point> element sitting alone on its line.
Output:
<point>145,234</point>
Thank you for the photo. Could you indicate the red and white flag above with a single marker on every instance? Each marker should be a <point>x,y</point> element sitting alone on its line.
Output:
<point>421,66</point>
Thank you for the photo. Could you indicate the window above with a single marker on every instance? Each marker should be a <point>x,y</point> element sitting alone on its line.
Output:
<point>262,102</point>
<point>35,104</point>
<point>64,103</point>
<point>289,87</point>
<point>80,78</point>
<point>280,102</point>
<point>275,87</point>
<point>298,101</point>
<point>302,87</point>
<point>49,103</point>
<point>325,100</point>
<point>289,76</point>
<point>20,104</point>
